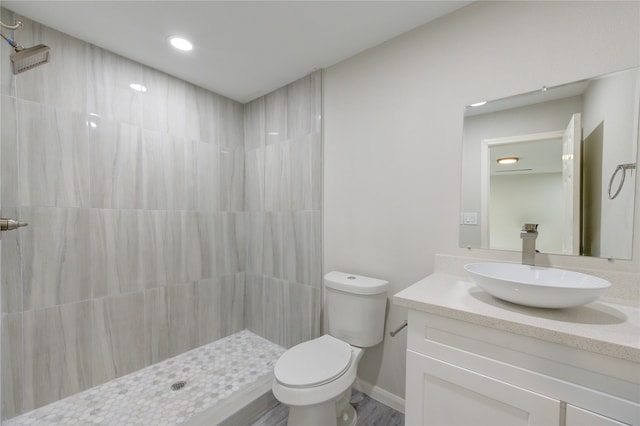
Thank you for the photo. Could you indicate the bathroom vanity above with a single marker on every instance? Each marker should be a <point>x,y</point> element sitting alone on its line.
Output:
<point>474,359</point>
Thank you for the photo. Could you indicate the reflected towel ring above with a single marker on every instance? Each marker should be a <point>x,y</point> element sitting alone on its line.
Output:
<point>620,167</point>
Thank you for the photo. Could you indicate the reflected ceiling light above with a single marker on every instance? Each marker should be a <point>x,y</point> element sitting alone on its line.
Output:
<point>180,43</point>
<point>138,87</point>
<point>477,104</point>
<point>508,160</point>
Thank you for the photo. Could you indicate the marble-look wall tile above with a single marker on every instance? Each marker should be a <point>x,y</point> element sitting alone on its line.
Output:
<point>52,156</point>
<point>109,96</point>
<point>273,310</point>
<point>253,291</point>
<point>220,307</point>
<point>207,245</point>
<point>273,251</point>
<point>232,303</point>
<point>301,104</point>
<point>54,252</point>
<point>301,247</point>
<point>195,244</point>
<point>183,320</point>
<point>301,151</point>
<point>277,181</point>
<point>231,179</point>
<point>207,165</point>
<point>209,304</point>
<point>116,166</point>
<point>9,183</point>
<point>316,171</point>
<point>63,81</point>
<point>276,116</point>
<point>254,241</point>
<point>229,251</point>
<point>254,180</point>
<point>200,112</point>
<point>156,325</point>
<point>164,103</point>
<point>57,353</point>
<point>130,251</point>
<point>170,236</point>
<point>254,124</point>
<point>229,123</point>
<point>166,171</point>
<point>11,271</point>
<point>12,365</point>
<point>302,311</point>
<point>118,336</point>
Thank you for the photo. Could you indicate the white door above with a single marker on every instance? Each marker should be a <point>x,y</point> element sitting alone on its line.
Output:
<point>439,393</point>
<point>571,155</point>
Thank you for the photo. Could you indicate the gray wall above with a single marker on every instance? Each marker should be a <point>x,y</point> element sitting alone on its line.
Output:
<point>283,173</point>
<point>393,136</point>
<point>138,237</point>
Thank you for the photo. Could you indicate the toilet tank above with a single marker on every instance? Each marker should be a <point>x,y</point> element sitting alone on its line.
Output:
<point>355,308</point>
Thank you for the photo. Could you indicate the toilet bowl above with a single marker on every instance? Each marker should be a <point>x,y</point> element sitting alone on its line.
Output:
<point>314,378</point>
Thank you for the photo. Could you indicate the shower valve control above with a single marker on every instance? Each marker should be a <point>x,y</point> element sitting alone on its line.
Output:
<point>10,224</point>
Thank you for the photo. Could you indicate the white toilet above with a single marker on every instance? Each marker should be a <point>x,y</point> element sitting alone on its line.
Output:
<point>314,378</point>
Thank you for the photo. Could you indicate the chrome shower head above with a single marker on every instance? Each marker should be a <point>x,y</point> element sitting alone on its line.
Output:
<point>25,59</point>
<point>31,57</point>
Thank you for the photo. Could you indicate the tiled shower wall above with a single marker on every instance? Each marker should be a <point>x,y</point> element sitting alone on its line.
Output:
<point>283,173</point>
<point>143,224</point>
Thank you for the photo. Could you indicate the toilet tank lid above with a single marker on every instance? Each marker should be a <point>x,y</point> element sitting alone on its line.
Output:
<point>356,284</point>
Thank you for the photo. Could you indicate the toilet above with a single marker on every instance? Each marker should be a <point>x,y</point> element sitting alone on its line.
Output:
<point>314,378</point>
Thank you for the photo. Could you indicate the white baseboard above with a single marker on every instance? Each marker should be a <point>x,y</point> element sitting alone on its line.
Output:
<point>379,394</point>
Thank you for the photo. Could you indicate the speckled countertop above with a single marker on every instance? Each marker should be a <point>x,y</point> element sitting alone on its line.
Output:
<point>603,327</point>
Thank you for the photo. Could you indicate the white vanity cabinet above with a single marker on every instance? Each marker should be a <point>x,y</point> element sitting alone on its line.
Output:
<point>461,373</point>
<point>578,416</point>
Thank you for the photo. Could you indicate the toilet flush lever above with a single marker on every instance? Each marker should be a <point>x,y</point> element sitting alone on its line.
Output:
<point>397,330</point>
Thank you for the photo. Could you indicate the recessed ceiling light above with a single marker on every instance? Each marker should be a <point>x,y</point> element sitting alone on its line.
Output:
<point>138,87</point>
<point>477,104</point>
<point>508,160</point>
<point>180,43</point>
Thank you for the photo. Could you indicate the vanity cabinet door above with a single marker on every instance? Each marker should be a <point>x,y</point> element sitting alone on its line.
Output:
<point>579,417</point>
<point>439,393</point>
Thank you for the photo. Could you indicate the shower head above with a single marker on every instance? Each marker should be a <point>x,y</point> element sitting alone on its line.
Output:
<point>31,57</point>
<point>24,59</point>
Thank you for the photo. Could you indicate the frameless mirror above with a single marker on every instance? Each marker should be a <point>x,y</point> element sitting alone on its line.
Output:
<point>563,157</point>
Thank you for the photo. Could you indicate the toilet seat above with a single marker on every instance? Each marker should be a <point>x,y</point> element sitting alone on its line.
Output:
<point>313,363</point>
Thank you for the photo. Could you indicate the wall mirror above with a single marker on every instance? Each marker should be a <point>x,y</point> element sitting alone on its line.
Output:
<point>563,157</point>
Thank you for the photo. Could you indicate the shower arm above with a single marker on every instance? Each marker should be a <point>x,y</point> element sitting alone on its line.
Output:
<point>15,26</point>
<point>13,44</point>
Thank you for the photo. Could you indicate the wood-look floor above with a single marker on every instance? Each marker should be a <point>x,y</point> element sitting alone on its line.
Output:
<point>370,413</point>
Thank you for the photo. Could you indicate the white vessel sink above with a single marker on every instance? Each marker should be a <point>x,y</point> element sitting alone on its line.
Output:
<point>537,286</point>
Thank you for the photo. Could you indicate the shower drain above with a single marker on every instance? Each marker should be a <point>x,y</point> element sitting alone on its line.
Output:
<point>178,385</point>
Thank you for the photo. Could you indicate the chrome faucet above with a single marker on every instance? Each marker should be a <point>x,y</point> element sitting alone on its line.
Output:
<point>528,234</point>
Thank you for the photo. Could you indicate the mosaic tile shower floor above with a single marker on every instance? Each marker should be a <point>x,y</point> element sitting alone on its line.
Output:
<point>212,373</point>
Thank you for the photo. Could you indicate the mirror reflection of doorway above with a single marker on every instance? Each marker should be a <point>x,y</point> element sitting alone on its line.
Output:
<point>592,151</point>
<point>540,187</point>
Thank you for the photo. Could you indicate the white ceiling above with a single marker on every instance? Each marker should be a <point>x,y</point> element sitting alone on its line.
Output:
<point>242,49</point>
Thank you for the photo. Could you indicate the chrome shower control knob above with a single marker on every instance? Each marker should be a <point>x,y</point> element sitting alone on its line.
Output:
<point>10,224</point>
